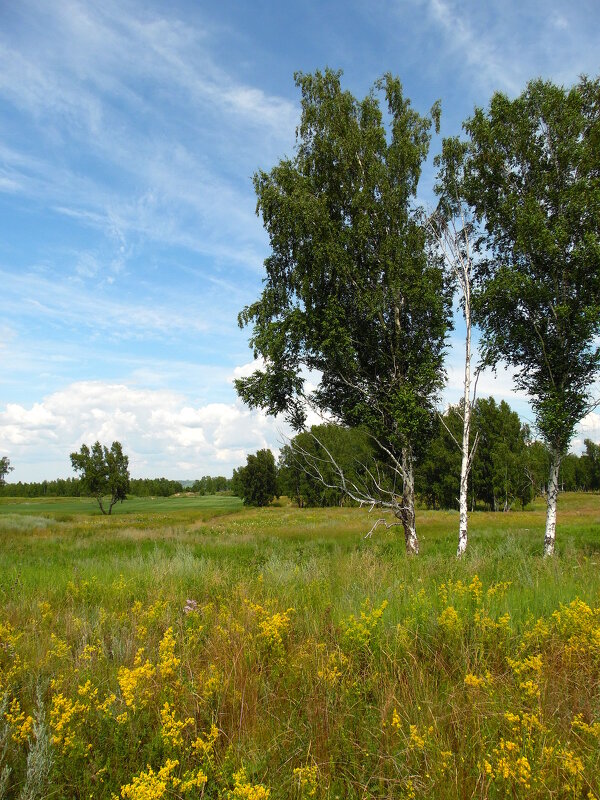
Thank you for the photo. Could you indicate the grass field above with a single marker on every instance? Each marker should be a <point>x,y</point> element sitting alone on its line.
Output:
<point>188,648</point>
<point>69,506</point>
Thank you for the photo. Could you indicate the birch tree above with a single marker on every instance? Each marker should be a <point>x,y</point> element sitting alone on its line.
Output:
<point>351,291</point>
<point>533,179</point>
<point>452,226</point>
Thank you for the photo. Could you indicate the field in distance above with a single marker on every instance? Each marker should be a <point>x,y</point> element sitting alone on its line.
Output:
<point>188,647</point>
<point>133,505</point>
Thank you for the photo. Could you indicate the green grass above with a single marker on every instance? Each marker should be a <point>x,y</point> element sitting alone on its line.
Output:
<point>70,506</point>
<point>332,686</point>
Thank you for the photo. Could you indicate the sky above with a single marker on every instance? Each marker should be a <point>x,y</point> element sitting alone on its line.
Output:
<point>129,242</point>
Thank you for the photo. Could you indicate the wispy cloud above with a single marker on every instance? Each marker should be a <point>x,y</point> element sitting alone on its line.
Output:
<point>500,45</point>
<point>73,305</point>
<point>133,94</point>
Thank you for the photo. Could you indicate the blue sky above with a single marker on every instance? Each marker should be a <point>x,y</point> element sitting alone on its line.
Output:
<point>129,133</point>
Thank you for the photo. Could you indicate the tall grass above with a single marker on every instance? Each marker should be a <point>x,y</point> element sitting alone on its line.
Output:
<point>278,653</point>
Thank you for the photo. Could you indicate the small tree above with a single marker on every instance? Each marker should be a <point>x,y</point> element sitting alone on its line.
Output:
<point>256,483</point>
<point>5,468</point>
<point>532,176</point>
<point>104,473</point>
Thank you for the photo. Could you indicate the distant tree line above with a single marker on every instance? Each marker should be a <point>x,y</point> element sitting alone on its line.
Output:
<point>139,487</point>
<point>509,467</point>
<point>210,485</point>
<point>61,487</point>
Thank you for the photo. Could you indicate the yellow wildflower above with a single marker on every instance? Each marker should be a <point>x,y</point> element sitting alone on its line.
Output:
<point>244,790</point>
<point>150,785</point>
<point>22,725</point>
<point>172,728</point>
<point>307,780</point>
<point>474,681</point>
<point>449,620</point>
<point>136,683</point>
<point>168,662</point>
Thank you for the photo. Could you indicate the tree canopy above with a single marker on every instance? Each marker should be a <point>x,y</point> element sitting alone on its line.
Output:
<point>351,292</point>
<point>256,483</point>
<point>104,473</point>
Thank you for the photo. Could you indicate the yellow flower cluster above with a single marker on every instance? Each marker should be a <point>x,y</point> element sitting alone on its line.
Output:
<point>358,631</point>
<point>168,661</point>
<point>307,780</point>
<point>243,789</point>
<point>579,626</point>
<point>274,627</point>
<point>449,620</point>
<point>22,725</point>
<point>456,590</point>
<point>136,684</point>
<point>66,718</point>
<point>508,766</point>
<point>334,669</point>
<point>12,665</point>
<point>204,747</point>
<point>150,785</point>
<point>172,728</point>
<point>474,681</point>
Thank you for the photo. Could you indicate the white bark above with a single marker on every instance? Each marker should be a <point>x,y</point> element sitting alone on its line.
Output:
<point>455,246</point>
<point>466,459</point>
<point>408,504</point>
<point>550,535</point>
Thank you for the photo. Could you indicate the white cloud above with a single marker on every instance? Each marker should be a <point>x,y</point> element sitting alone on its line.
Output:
<point>245,370</point>
<point>160,431</point>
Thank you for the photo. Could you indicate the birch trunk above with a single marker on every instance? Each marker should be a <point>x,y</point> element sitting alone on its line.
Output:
<point>408,503</point>
<point>550,535</point>
<point>466,456</point>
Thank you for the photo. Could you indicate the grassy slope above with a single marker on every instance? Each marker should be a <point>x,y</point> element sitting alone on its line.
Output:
<point>375,705</point>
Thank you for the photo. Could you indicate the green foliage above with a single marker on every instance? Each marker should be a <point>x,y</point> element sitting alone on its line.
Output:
<point>499,469</point>
<point>5,468</point>
<point>499,474</point>
<point>211,485</point>
<point>154,487</point>
<point>350,290</point>
<point>591,467</point>
<point>352,450</point>
<point>103,472</point>
<point>61,487</point>
<point>438,474</point>
<point>532,177</point>
<point>256,483</point>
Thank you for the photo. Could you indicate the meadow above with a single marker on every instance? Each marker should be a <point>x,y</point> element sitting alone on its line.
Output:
<point>188,647</point>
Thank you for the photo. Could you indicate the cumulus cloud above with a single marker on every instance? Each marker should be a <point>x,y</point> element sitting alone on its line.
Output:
<point>160,431</point>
